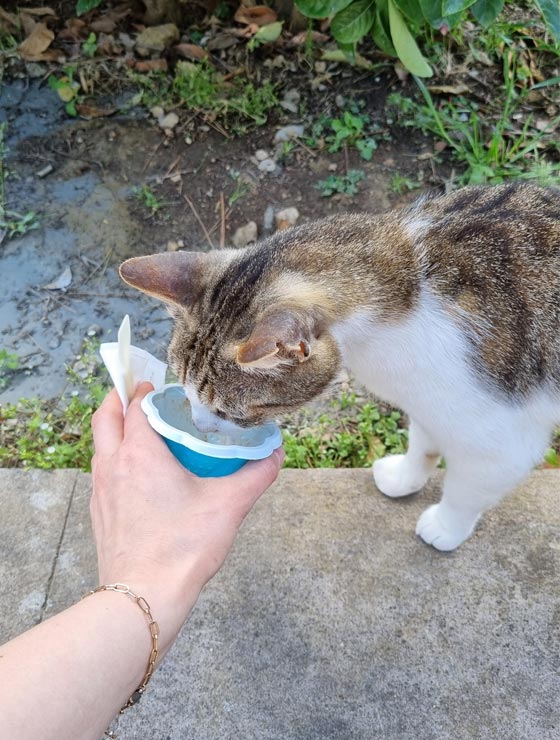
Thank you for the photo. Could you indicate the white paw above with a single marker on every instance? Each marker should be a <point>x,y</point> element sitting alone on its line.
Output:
<point>394,478</point>
<point>441,534</point>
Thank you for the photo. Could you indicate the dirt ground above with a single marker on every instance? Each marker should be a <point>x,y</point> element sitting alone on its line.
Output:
<point>90,219</point>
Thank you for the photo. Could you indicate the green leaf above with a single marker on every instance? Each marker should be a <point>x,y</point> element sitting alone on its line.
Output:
<point>455,6</point>
<point>552,458</point>
<point>321,8</point>
<point>270,32</point>
<point>486,11</point>
<point>433,13</point>
<point>551,12</point>
<point>82,6</point>
<point>380,29</point>
<point>352,23</point>
<point>405,45</point>
<point>411,9</point>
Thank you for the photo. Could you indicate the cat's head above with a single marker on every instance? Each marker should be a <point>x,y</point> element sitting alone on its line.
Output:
<point>250,339</point>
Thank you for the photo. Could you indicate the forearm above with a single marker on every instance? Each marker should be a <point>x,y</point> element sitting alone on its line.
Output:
<point>68,677</point>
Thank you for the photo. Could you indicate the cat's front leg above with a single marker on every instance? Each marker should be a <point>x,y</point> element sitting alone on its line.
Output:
<point>467,493</point>
<point>401,475</point>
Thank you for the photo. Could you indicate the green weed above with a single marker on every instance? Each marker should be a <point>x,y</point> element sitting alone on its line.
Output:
<point>238,104</point>
<point>352,129</point>
<point>12,223</point>
<point>352,441</point>
<point>148,199</point>
<point>347,184</point>
<point>491,151</point>
<point>89,47</point>
<point>9,364</point>
<point>400,184</point>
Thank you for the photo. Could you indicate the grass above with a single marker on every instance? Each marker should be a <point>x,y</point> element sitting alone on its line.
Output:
<point>237,103</point>
<point>490,149</point>
<point>354,436</point>
<point>48,434</point>
<point>9,364</point>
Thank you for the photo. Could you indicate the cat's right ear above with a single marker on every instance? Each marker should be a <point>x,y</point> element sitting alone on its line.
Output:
<point>173,277</point>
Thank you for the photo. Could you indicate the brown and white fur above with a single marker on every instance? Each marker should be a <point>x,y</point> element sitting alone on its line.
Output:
<point>448,309</point>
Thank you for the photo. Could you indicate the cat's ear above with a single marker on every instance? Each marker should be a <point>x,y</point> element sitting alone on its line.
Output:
<point>279,338</point>
<point>176,277</point>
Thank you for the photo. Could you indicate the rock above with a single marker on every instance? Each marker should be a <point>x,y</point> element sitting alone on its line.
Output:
<point>168,122</point>
<point>290,101</point>
<point>268,219</point>
<point>172,246</point>
<point>261,155</point>
<point>245,234</point>
<point>267,165</point>
<point>286,218</point>
<point>333,167</point>
<point>94,331</point>
<point>157,111</point>
<point>158,38</point>
<point>54,343</point>
<point>287,133</point>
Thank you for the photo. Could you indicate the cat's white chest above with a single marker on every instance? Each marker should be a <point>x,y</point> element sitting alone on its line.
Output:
<point>418,364</point>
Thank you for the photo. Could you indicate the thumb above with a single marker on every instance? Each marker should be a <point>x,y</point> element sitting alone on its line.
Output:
<point>252,480</point>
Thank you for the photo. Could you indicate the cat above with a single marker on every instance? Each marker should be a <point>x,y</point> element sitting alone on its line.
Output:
<point>448,309</point>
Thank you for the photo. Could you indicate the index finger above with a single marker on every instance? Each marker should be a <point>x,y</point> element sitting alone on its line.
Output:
<point>135,422</point>
<point>107,424</point>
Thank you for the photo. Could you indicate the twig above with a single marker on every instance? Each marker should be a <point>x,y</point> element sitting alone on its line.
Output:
<point>152,155</point>
<point>189,202</point>
<point>53,298</point>
<point>223,223</point>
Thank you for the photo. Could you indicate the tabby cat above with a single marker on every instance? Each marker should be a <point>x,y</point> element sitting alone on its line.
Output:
<point>448,309</point>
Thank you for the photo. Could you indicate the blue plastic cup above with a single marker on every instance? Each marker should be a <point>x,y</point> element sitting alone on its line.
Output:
<point>169,413</point>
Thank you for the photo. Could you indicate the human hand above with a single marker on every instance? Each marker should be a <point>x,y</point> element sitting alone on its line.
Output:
<point>159,528</point>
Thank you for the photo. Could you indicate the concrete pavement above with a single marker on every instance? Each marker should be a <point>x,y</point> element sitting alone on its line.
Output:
<point>331,619</point>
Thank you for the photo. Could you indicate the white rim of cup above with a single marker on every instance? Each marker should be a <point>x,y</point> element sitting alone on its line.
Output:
<point>272,441</point>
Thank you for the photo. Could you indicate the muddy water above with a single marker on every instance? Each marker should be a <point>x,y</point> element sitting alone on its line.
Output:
<point>84,224</point>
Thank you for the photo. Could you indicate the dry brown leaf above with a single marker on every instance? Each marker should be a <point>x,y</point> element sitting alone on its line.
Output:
<point>91,111</point>
<point>260,15</point>
<point>8,21</point>
<point>151,65</point>
<point>220,41</point>
<point>449,89</point>
<point>39,11</point>
<point>301,38</point>
<point>105,24</point>
<point>190,51</point>
<point>28,23</point>
<point>36,43</point>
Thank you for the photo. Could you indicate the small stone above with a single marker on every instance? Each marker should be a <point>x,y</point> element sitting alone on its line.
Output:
<point>262,154</point>
<point>54,343</point>
<point>94,330</point>
<point>320,67</point>
<point>268,219</point>
<point>158,38</point>
<point>288,132</point>
<point>172,246</point>
<point>168,122</point>
<point>333,167</point>
<point>286,218</point>
<point>340,101</point>
<point>157,111</point>
<point>245,234</point>
<point>176,178</point>
<point>267,165</point>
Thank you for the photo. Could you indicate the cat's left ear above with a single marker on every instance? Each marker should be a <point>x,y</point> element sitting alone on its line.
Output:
<point>175,277</point>
<point>279,338</point>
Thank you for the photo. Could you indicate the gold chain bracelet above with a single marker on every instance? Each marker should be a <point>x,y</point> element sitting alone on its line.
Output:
<point>122,588</point>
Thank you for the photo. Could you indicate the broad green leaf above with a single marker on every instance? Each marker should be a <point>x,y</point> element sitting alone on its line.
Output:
<point>486,11</point>
<point>433,13</point>
<point>270,32</point>
<point>321,8</point>
<point>405,45</point>
<point>551,12</point>
<point>380,29</point>
<point>411,10</point>
<point>82,6</point>
<point>338,55</point>
<point>455,6</point>
<point>352,23</point>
